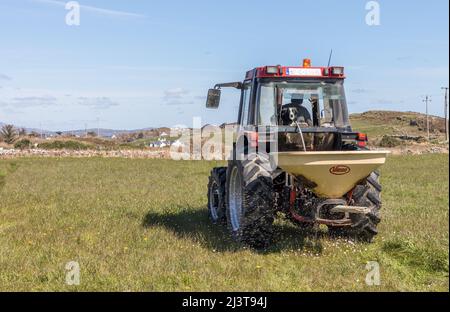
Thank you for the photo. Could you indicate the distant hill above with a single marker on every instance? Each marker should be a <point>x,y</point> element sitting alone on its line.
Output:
<point>81,132</point>
<point>374,123</point>
<point>29,130</point>
<point>379,123</point>
<point>105,132</point>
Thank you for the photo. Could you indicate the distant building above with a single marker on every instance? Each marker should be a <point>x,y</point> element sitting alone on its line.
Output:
<point>157,144</point>
<point>162,142</point>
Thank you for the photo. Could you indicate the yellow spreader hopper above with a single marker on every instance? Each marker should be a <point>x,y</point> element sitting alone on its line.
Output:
<point>333,174</point>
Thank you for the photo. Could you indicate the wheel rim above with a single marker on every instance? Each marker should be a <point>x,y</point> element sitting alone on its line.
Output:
<point>214,201</point>
<point>235,199</point>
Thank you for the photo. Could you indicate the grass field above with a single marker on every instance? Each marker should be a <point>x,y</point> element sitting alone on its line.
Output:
<point>141,225</point>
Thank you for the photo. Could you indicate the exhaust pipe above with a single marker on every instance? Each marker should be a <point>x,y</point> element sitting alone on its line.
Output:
<point>350,209</point>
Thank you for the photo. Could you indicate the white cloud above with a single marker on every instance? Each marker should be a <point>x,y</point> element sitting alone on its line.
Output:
<point>93,9</point>
<point>97,102</point>
<point>5,77</point>
<point>177,96</point>
<point>31,101</point>
<point>176,93</point>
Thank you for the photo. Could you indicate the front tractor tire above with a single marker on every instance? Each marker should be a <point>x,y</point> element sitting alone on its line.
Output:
<point>216,195</point>
<point>249,201</point>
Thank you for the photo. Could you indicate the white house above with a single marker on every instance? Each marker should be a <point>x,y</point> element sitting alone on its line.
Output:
<point>160,143</point>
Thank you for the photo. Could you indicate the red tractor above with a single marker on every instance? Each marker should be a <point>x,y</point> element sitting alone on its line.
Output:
<point>295,153</point>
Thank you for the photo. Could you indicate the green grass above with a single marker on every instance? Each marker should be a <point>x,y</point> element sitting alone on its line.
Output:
<point>141,225</point>
<point>373,130</point>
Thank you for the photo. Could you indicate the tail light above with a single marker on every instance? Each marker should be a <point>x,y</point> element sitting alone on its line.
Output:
<point>273,70</point>
<point>337,71</point>
<point>362,139</point>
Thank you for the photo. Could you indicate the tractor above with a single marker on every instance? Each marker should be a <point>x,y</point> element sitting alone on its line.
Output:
<point>295,154</point>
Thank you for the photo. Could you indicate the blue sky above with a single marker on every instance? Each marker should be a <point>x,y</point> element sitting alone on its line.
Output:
<point>134,64</point>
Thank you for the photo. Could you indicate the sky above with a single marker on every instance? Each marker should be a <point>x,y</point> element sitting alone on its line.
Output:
<point>133,64</point>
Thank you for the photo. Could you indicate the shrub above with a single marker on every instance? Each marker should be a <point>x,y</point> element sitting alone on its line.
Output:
<point>69,145</point>
<point>8,134</point>
<point>388,141</point>
<point>23,144</point>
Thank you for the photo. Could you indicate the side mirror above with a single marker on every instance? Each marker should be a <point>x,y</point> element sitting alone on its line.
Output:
<point>213,99</point>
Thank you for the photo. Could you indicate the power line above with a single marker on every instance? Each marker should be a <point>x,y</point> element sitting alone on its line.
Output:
<point>426,100</point>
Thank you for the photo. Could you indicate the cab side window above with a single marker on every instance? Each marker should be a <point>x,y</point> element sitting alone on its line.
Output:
<point>246,94</point>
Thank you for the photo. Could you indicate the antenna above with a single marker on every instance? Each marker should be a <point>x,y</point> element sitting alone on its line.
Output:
<point>329,59</point>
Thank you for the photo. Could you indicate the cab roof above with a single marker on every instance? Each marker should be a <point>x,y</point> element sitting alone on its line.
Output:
<point>305,71</point>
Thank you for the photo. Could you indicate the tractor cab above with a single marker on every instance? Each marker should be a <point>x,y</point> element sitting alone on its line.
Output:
<point>305,105</point>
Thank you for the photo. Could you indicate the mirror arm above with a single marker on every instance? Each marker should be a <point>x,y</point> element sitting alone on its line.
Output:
<point>237,85</point>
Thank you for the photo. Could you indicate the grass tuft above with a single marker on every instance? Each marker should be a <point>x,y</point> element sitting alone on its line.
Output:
<point>408,253</point>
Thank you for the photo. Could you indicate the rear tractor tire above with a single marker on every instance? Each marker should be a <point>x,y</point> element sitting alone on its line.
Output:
<point>216,195</point>
<point>364,227</point>
<point>250,201</point>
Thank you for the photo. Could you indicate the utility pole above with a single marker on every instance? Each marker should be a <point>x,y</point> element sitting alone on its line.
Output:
<point>427,99</point>
<point>98,127</point>
<point>446,114</point>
